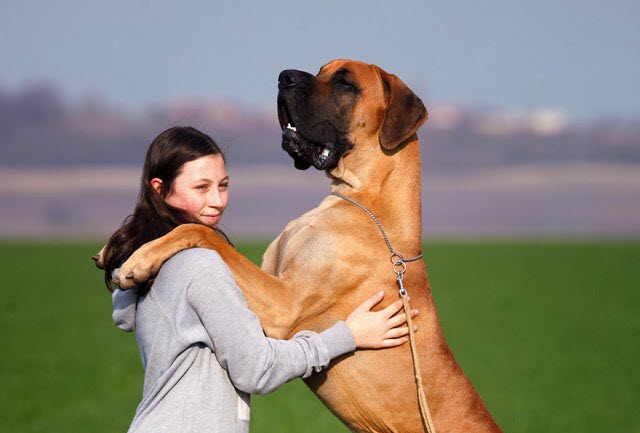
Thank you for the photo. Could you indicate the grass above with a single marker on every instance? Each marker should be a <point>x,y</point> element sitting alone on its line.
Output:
<point>547,331</point>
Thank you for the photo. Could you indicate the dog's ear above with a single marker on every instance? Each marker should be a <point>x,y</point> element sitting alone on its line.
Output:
<point>405,112</point>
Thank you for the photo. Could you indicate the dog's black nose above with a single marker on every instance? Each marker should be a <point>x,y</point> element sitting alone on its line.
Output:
<point>292,78</point>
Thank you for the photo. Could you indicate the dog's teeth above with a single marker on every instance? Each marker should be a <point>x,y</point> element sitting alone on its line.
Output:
<point>293,128</point>
<point>325,152</point>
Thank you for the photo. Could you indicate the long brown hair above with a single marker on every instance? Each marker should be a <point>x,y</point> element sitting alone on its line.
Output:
<point>152,216</point>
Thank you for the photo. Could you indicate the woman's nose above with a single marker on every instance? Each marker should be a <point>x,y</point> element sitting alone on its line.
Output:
<point>214,198</point>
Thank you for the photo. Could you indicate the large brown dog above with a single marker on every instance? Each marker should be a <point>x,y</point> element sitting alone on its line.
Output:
<point>358,123</point>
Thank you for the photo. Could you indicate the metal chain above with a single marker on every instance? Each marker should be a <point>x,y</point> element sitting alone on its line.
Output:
<point>394,253</point>
<point>400,267</point>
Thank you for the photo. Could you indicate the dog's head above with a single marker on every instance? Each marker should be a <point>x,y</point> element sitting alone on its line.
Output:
<point>346,105</point>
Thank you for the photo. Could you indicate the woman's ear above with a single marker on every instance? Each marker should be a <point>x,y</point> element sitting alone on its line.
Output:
<point>156,184</point>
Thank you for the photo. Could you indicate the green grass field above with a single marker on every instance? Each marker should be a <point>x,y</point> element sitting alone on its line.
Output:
<point>547,331</point>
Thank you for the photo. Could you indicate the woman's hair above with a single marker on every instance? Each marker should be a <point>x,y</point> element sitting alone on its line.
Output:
<point>153,217</point>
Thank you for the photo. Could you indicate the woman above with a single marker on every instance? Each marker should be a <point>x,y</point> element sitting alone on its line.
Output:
<point>203,350</point>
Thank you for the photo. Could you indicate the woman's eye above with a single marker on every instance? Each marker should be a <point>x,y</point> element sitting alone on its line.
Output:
<point>201,187</point>
<point>224,186</point>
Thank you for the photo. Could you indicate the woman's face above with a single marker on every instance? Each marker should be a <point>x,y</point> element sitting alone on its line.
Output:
<point>201,189</point>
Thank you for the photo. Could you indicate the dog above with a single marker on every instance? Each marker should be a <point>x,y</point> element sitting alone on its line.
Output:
<point>358,123</point>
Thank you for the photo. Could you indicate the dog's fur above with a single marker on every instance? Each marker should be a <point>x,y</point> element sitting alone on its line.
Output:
<point>330,259</point>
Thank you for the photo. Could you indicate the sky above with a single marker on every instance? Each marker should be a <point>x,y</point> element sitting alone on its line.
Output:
<point>579,57</point>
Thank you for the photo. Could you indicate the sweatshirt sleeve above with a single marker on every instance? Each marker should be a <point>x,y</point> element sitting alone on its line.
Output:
<point>256,364</point>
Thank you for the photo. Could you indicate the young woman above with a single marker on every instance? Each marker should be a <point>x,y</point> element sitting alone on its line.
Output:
<point>202,349</point>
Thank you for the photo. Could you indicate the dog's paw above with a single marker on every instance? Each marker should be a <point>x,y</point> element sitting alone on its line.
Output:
<point>137,270</point>
<point>99,258</point>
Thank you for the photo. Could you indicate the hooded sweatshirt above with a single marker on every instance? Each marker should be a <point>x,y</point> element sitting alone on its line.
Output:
<point>204,351</point>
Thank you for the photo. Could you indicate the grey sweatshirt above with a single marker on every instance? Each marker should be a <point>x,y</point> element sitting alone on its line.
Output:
<point>204,351</point>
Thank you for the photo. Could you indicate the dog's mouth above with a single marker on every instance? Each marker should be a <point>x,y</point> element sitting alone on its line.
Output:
<point>305,152</point>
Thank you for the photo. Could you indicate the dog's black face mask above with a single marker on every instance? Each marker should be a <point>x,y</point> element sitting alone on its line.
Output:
<point>314,117</point>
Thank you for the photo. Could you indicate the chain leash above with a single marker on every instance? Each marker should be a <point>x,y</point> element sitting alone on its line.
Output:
<point>400,267</point>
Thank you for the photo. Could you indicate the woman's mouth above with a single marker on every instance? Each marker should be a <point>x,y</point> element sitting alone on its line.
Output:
<point>210,219</point>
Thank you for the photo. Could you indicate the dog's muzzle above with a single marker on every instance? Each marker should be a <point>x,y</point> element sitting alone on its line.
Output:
<point>305,153</point>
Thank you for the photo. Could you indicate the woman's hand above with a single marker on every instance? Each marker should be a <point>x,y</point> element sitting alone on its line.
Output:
<point>379,329</point>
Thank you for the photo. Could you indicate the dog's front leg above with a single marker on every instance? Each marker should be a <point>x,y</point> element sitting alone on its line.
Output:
<point>271,298</point>
<point>146,261</point>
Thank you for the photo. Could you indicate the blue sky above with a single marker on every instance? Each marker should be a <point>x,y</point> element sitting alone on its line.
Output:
<point>581,57</point>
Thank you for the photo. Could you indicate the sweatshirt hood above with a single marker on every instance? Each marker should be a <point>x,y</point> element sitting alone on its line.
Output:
<point>125,306</point>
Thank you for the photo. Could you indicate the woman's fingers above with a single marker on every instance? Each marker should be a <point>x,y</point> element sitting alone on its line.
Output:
<point>379,329</point>
<point>371,302</point>
<point>401,318</point>
<point>397,336</point>
<point>394,342</point>
<point>399,332</point>
<point>392,308</point>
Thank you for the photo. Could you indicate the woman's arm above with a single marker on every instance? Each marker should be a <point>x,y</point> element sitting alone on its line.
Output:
<point>256,363</point>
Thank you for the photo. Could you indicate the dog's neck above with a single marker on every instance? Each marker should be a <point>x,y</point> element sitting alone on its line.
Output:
<point>388,184</point>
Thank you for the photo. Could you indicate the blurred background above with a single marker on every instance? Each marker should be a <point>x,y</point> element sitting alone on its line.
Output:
<point>534,124</point>
<point>531,184</point>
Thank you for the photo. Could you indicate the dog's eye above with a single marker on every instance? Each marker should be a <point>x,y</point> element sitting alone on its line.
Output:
<point>346,84</point>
